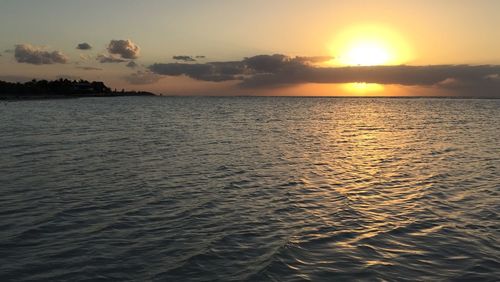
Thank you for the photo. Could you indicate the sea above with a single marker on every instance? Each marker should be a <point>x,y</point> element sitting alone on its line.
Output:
<point>250,189</point>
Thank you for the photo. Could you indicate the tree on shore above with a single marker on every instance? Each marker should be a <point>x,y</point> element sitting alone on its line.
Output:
<point>54,87</point>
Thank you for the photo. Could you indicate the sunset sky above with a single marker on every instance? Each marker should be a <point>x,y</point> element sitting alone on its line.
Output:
<point>281,47</point>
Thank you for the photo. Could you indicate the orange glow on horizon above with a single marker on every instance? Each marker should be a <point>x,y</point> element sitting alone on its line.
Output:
<point>363,88</point>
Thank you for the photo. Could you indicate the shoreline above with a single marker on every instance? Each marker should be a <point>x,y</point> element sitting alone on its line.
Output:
<point>28,97</point>
<point>17,97</point>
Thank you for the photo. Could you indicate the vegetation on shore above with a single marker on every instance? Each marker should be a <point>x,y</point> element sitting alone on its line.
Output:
<point>61,88</point>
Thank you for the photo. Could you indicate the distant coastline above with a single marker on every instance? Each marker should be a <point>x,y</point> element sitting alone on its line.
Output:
<point>61,89</point>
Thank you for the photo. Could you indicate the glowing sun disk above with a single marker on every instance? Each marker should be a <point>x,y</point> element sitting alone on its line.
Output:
<point>366,54</point>
<point>370,45</point>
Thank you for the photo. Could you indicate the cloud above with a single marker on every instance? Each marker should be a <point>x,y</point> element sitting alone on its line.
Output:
<point>493,77</point>
<point>267,63</point>
<point>89,68</point>
<point>85,57</point>
<point>83,46</point>
<point>103,59</point>
<point>276,62</point>
<point>184,58</point>
<point>126,49</point>
<point>314,59</point>
<point>487,86</point>
<point>200,57</point>
<point>268,71</point>
<point>26,53</point>
<point>131,64</point>
<point>214,71</point>
<point>233,70</point>
<point>196,71</point>
<point>402,75</point>
<point>141,77</point>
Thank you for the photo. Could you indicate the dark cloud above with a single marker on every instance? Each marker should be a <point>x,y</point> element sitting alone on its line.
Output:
<point>184,58</point>
<point>83,46</point>
<point>265,71</point>
<point>493,77</point>
<point>126,49</point>
<point>214,71</point>
<point>277,62</point>
<point>234,70</point>
<point>402,75</point>
<point>196,71</point>
<point>229,68</point>
<point>488,86</point>
<point>314,59</point>
<point>103,59</point>
<point>200,57</point>
<point>131,64</point>
<point>142,77</point>
<point>26,53</point>
<point>89,68</point>
<point>461,80</point>
<point>267,63</point>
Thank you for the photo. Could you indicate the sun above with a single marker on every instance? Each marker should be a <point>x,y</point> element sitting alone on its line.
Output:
<point>366,53</point>
<point>369,45</point>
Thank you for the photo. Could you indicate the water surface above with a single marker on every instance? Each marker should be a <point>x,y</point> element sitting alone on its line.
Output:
<point>262,189</point>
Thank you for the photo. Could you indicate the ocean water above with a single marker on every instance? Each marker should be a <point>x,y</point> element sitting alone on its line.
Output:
<point>260,189</point>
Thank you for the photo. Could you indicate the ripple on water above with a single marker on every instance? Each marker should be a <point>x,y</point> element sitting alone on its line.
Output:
<point>280,189</point>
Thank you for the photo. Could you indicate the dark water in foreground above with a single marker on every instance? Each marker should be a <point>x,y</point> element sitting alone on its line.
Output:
<point>283,189</point>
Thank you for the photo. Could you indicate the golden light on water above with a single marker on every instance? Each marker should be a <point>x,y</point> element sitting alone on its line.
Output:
<point>370,45</point>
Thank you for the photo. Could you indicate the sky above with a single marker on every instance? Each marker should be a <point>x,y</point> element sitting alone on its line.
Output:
<point>280,47</point>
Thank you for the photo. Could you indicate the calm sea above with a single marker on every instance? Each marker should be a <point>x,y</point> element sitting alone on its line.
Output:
<point>261,189</point>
